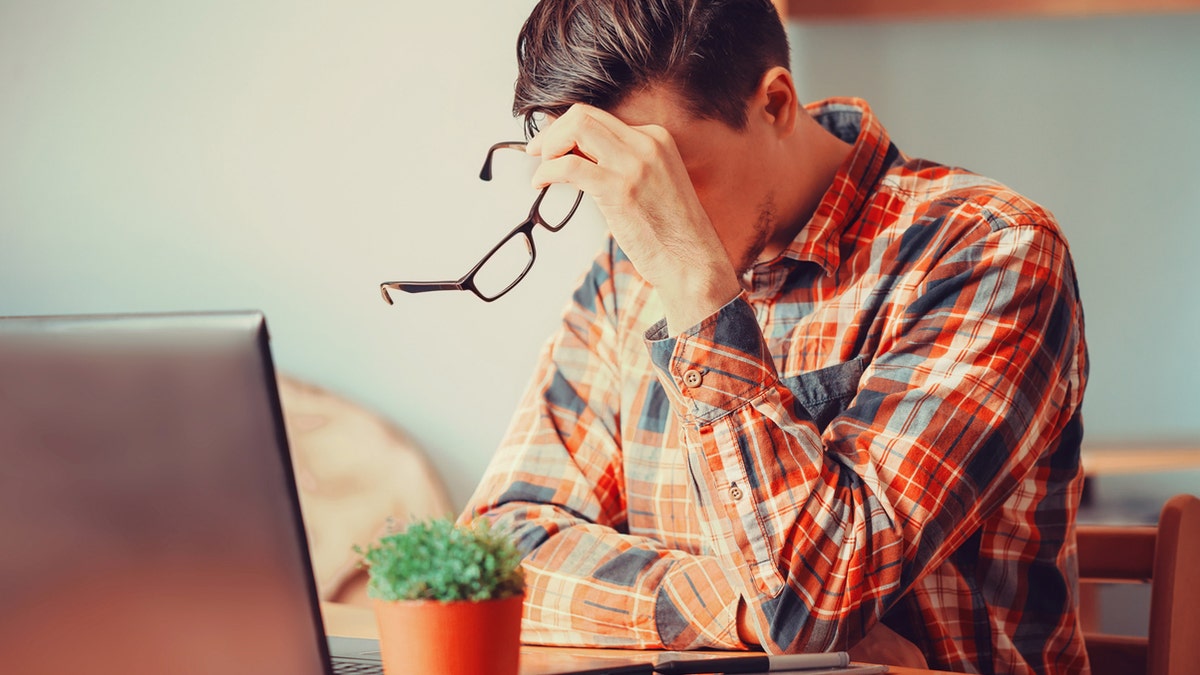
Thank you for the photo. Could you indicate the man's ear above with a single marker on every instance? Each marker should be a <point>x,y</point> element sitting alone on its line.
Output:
<point>775,100</point>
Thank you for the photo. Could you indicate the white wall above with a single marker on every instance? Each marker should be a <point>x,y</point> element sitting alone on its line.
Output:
<point>284,156</point>
<point>289,156</point>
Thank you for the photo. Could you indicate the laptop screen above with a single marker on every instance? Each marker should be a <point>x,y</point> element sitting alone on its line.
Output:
<point>147,505</point>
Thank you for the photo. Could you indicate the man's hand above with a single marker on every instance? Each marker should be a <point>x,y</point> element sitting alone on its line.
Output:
<point>639,182</point>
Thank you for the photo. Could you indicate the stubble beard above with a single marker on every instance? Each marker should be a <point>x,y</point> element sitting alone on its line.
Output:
<point>763,229</point>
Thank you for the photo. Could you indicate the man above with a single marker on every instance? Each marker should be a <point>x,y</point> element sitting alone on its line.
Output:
<point>812,389</point>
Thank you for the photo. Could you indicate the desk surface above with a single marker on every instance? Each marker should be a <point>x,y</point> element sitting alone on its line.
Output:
<point>354,621</point>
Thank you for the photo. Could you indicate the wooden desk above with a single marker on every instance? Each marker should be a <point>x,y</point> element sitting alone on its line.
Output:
<point>355,621</point>
<point>1108,460</point>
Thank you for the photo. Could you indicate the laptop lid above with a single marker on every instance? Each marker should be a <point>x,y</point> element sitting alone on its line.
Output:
<point>148,511</point>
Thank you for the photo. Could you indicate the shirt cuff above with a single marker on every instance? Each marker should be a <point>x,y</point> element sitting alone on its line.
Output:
<point>696,606</point>
<point>713,368</point>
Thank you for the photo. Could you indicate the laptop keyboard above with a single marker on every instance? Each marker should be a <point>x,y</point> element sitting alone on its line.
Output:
<point>344,667</point>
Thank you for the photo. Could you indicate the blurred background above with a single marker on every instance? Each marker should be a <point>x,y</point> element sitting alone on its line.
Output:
<point>289,156</point>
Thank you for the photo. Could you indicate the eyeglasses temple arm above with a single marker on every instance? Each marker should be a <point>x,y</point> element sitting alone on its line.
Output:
<point>418,287</point>
<point>486,172</point>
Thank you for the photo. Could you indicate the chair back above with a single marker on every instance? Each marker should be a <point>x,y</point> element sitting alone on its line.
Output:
<point>1168,558</point>
<point>355,472</point>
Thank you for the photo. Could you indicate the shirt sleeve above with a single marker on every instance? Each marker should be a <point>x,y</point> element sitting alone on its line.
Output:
<point>975,375</point>
<point>556,485</point>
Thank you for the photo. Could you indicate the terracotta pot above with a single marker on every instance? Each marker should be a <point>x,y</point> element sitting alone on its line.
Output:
<point>427,637</point>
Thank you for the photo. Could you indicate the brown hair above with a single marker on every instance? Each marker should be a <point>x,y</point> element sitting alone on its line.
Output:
<point>711,52</point>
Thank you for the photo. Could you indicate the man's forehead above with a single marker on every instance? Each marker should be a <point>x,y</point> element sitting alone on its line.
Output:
<point>696,138</point>
<point>648,105</point>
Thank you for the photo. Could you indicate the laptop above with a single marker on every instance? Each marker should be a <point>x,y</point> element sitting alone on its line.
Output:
<point>149,520</point>
<point>148,511</point>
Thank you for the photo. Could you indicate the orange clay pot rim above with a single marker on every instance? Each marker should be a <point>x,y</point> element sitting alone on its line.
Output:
<point>427,601</point>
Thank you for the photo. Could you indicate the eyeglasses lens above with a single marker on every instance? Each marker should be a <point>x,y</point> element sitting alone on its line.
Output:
<point>504,266</point>
<point>557,205</point>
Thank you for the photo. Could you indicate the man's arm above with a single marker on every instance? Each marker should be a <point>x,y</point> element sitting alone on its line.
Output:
<point>977,373</point>
<point>557,484</point>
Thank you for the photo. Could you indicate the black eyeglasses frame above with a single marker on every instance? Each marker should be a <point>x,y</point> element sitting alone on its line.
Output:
<point>525,229</point>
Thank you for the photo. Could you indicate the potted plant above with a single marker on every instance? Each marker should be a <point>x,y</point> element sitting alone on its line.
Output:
<point>447,599</point>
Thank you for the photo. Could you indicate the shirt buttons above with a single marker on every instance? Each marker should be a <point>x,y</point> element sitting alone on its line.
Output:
<point>693,378</point>
<point>735,492</point>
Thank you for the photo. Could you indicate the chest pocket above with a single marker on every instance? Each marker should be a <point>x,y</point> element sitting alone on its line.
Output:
<point>822,395</point>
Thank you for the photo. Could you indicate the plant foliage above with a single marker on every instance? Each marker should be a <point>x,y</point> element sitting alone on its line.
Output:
<point>438,559</point>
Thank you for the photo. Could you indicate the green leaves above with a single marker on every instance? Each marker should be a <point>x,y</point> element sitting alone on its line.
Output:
<point>439,560</point>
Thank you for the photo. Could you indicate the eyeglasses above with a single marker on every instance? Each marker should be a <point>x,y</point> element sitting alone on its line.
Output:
<point>509,261</point>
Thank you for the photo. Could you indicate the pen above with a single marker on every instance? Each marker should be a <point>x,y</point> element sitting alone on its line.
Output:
<point>756,663</point>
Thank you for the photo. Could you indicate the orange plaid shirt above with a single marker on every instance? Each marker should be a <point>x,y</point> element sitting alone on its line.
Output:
<point>883,427</point>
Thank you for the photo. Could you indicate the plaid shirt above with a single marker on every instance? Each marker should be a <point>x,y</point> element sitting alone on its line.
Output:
<point>883,427</point>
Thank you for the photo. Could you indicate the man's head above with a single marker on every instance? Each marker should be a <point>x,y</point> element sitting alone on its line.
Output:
<point>711,53</point>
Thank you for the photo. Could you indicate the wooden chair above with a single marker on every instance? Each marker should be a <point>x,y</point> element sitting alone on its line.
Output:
<point>1168,558</point>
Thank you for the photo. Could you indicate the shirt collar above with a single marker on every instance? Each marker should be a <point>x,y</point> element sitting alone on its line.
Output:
<point>851,120</point>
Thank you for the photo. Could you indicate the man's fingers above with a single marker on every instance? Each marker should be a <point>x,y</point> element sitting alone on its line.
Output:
<point>584,130</point>
<point>580,172</point>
